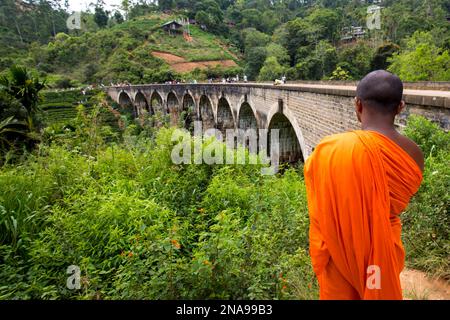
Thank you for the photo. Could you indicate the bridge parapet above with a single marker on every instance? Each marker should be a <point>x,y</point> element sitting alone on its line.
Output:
<point>313,110</point>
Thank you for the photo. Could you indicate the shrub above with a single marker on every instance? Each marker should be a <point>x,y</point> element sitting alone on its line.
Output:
<point>427,135</point>
<point>142,227</point>
<point>426,221</point>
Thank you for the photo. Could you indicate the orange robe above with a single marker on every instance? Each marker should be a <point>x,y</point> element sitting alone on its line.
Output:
<point>357,185</point>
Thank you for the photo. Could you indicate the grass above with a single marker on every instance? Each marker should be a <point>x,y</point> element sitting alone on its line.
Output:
<point>204,46</point>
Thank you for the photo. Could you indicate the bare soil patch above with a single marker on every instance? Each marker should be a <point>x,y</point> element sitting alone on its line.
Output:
<point>418,286</point>
<point>179,64</point>
<point>190,66</point>
<point>168,57</point>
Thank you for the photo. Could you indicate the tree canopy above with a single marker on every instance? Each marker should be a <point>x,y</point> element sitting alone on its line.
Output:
<point>305,36</point>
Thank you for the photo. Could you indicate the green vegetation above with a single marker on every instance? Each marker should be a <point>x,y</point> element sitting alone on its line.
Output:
<point>299,39</point>
<point>434,62</point>
<point>141,227</point>
<point>22,24</point>
<point>426,222</point>
<point>61,106</point>
<point>122,53</point>
<point>111,201</point>
<point>19,124</point>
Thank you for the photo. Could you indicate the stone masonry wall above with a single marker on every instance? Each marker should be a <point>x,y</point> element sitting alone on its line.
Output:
<point>313,112</point>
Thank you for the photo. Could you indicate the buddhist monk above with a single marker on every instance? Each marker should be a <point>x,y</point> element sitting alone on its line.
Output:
<point>358,183</point>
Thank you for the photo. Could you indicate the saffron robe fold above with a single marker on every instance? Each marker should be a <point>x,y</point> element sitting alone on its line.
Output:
<point>357,184</point>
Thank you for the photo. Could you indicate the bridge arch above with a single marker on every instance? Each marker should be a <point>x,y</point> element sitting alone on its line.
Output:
<point>247,117</point>
<point>188,111</point>
<point>225,117</point>
<point>157,104</point>
<point>172,101</point>
<point>248,123</point>
<point>173,104</point>
<point>126,103</point>
<point>291,150</point>
<point>141,103</point>
<point>206,113</point>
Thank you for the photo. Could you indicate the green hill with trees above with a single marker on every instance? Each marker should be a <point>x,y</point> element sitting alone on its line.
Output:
<point>302,39</point>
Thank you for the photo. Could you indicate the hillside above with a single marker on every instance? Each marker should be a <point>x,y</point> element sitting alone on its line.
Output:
<point>25,22</point>
<point>303,40</point>
<point>124,53</point>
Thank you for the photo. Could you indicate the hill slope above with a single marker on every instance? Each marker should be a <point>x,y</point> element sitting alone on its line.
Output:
<point>124,53</point>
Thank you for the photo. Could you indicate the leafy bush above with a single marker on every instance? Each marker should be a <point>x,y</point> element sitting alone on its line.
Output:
<point>63,83</point>
<point>427,135</point>
<point>141,227</point>
<point>426,221</point>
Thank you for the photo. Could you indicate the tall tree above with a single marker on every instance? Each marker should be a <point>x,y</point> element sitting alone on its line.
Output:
<point>421,60</point>
<point>125,6</point>
<point>118,17</point>
<point>21,85</point>
<point>100,17</point>
<point>166,4</point>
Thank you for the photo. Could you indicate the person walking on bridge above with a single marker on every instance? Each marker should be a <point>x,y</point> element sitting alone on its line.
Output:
<point>358,183</point>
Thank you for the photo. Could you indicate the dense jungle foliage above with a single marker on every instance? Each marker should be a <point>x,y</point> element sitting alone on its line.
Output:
<point>111,201</point>
<point>268,39</point>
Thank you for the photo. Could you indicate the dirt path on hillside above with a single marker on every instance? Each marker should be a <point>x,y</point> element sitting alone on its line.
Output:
<point>418,286</point>
<point>179,64</point>
<point>168,57</point>
<point>189,66</point>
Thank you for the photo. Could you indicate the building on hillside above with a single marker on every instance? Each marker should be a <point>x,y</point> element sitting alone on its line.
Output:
<point>352,34</point>
<point>23,6</point>
<point>173,27</point>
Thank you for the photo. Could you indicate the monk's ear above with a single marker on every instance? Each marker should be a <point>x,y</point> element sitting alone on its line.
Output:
<point>400,107</point>
<point>358,107</point>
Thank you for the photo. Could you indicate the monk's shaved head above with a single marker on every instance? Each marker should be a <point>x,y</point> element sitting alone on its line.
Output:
<point>381,91</point>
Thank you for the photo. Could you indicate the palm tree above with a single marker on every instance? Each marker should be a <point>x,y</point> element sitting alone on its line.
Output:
<point>21,85</point>
<point>12,130</point>
<point>19,103</point>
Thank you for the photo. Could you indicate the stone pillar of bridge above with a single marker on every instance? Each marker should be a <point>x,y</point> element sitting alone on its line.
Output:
<point>158,110</point>
<point>141,104</point>
<point>290,151</point>
<point>156,104</point>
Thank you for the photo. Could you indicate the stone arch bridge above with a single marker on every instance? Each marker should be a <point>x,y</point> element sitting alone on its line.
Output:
<point>304,113</point>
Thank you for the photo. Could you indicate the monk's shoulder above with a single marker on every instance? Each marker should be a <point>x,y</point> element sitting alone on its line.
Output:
<point>345,139</point>
<point>337,153</point>
<point>413,150</point>
<point>341,146</point>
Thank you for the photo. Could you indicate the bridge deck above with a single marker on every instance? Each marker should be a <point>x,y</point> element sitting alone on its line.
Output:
<point>438,98</point>
<point>434,93</point>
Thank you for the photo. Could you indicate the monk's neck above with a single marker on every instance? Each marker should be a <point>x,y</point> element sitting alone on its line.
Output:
<point>381,123</point>
<point>384,128</point>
